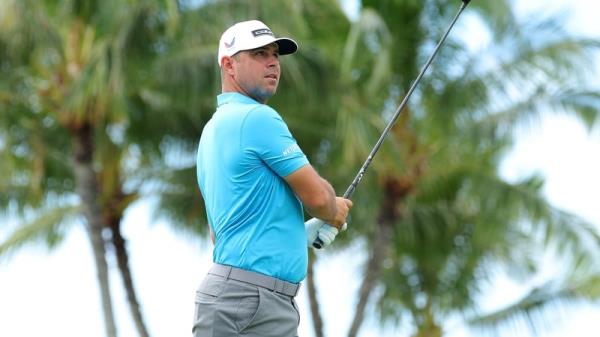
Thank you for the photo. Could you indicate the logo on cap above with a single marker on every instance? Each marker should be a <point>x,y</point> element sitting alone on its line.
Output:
<point>262,31</point>
<point>230,44</point>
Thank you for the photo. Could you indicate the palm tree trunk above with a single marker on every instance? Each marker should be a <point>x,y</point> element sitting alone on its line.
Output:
<point>379,247</point>
<point>123,262</point>
<point>428,331</point>
<point>426,326</point>
<point>86,186</point>
<point>395,190</point>
<point>312,295</point>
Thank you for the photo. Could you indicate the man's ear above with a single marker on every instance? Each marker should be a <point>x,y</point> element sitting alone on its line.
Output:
<point>227,64</point>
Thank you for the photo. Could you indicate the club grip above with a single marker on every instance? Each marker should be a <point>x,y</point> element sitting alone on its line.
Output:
<point>318,243</point>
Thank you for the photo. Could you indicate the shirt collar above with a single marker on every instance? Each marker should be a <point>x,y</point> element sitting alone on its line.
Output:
<point>234,97</point>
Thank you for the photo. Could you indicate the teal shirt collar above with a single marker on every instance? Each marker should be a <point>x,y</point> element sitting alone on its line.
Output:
<point>234,97</point>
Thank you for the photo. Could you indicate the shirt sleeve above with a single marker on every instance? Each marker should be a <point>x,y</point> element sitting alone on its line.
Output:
<point>266,134</point>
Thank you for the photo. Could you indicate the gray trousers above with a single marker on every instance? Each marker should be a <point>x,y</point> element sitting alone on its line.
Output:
<point>228,308</point>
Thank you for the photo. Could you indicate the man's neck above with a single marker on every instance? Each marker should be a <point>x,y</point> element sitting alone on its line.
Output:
<point>257,98</point>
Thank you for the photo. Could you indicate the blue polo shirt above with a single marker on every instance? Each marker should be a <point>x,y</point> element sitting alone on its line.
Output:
<point>245,150</point>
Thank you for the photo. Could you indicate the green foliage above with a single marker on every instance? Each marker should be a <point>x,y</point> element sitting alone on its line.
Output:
<point>144,75</point>
<point>461,218</point>
<point>49,226</point>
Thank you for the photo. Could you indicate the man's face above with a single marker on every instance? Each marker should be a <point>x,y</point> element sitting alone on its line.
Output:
<point>257,71</point>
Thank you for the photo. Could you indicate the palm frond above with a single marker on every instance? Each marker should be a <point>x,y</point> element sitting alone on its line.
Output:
<point>529,111</point>
<point>551,295</point>
<point>498,15</point>
<point>48,226</point>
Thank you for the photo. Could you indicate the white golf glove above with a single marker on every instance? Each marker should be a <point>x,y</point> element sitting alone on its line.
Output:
<point>317,227</point>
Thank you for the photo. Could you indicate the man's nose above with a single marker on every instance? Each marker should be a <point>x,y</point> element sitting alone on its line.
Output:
<point>273,61</point>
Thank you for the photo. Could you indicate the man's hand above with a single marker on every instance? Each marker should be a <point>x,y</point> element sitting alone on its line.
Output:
<point>343,206</point>
<point>312,227</point>
<point>317,227</point>
<point>327,233</point>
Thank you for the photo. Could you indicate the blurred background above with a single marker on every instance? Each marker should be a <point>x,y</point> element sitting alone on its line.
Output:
<point>479,216</point>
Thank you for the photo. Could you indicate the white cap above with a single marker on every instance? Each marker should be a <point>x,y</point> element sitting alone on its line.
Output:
<point>251,34</point>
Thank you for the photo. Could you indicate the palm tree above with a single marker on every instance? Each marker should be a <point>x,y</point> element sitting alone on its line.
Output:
<point>72,85</point>
<point>443,213</point>
<point>435,214</point>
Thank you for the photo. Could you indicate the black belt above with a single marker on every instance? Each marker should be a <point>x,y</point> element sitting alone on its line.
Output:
<point>261,280</point>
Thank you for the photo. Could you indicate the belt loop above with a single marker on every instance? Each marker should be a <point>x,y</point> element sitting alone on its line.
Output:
<point>279,287</point>
<point>228,272</point>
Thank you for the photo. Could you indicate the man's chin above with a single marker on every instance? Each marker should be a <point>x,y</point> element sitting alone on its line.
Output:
<point>263,95</point>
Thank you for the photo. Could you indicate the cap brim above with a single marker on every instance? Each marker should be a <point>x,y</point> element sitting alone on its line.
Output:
<point>286,46</point>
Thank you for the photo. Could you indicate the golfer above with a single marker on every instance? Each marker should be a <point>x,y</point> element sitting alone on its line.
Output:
<point>256,183</point>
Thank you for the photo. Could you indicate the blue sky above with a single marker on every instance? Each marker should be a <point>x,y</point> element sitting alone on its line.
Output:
<point>56,294</point>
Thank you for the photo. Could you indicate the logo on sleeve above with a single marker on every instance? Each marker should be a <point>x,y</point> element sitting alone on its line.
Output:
<point>291,149</point>
<point>262,31</point>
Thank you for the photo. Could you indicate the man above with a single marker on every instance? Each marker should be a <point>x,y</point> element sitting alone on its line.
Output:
<point>255,182</point>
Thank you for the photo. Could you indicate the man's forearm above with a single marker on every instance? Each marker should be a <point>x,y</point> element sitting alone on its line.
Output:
<point>327,209</point>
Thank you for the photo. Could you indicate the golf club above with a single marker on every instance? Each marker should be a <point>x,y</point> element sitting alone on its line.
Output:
<point>348,194</point>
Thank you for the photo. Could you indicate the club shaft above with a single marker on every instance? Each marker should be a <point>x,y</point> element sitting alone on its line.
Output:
<point>350,191</point>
